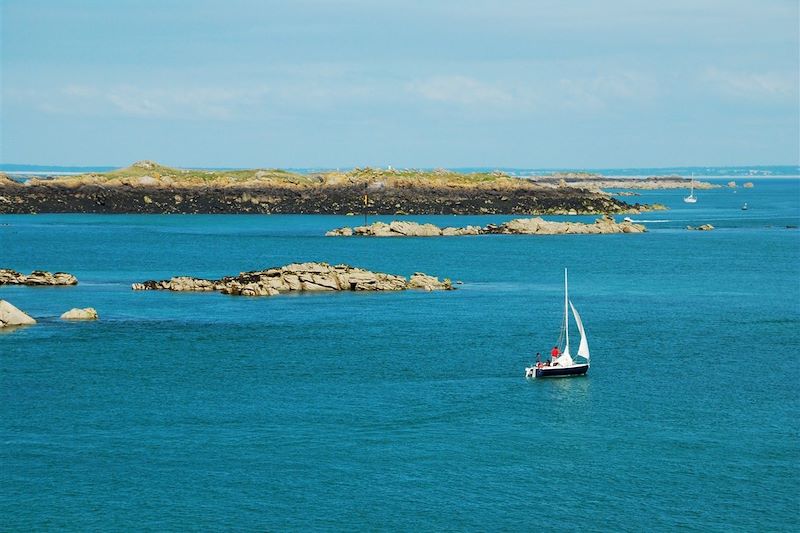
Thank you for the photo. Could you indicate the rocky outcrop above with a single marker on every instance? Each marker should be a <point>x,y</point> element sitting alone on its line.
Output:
<point>37,277</point>
<point>539,226</point>
<point>466,230</point>
<point>704,227</point>
<point>731,184</point>
<point>299,277</point>
<point>420,280</point>
<point>87,313</point>
<point>520,226</point>
<point>5,180</point>
<point>181,284</point>
<point>12,316</point>
<point>398,228</point>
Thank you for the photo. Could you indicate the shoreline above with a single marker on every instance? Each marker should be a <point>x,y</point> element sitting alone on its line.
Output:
<point>326,201</point>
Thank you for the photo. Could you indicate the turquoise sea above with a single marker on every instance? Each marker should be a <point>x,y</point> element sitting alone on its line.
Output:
<point>408,411</point>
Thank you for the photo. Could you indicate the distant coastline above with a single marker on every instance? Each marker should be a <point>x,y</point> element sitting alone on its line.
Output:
<point>700,172</point>
<point>147,187</point>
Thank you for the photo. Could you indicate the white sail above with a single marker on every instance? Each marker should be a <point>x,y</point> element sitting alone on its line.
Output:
<point>583,349</point>
<point>691,198</point>
<point>566,313</point>
<point>565,359</point>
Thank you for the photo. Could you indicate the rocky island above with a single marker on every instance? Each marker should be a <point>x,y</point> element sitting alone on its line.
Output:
<point>37,277</point>
<point>12,316</point>
<point>87,313</point>
<point>147,187</point>
<point>520,226</point>
<point>597,182</point>
<point>299,277</point>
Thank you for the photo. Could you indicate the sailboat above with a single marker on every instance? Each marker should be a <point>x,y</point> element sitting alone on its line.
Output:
<point>564,365</point>
<point>691,199</point>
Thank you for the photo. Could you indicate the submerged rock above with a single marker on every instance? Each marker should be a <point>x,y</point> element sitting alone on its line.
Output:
<point>37,277</point>
<point>87,313</point>
<point>519,226</point>
<point>12,316</point>
<point>704,227</point>
<point>299,277</point>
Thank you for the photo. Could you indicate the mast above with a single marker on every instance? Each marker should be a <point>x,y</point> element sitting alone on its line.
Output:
<point>566,311</point>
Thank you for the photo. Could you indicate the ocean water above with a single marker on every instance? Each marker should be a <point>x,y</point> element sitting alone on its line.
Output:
<point>408,411</point>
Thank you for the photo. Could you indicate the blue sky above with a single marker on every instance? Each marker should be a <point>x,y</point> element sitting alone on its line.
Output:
<point>404,83</point>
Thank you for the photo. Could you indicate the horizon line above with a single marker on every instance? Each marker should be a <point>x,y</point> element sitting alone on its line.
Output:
<point>395,167</point>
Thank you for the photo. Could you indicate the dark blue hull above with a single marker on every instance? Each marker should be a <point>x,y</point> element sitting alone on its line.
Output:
<point>561,372</point>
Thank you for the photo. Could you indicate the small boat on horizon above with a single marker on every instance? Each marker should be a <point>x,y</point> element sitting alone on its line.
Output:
<point>563,365</point>
<point>691,199</point>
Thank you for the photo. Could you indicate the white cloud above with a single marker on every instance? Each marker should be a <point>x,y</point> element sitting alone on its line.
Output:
<point>197,102</point>
<point>538,92</point>
<point>752,85</point>
<point>528,92</point>
<point>603,92</point>
<point>461,90</point>
<point>144,102</point>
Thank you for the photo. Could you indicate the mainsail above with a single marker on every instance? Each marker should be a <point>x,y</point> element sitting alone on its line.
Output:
<point>565,359</point>
<point>583,348</point>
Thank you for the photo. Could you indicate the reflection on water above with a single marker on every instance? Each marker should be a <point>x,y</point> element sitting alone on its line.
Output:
<point>573,392</point>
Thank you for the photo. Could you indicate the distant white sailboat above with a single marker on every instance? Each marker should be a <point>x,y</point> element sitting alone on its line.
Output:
<point>564,365</point>
<point>691,199</point>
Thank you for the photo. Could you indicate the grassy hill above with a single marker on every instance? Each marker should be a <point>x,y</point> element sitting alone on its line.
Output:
<point>148,172</point>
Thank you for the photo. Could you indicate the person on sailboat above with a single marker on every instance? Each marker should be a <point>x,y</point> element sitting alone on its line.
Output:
<point>538,360</point>
<point>554,353</point>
